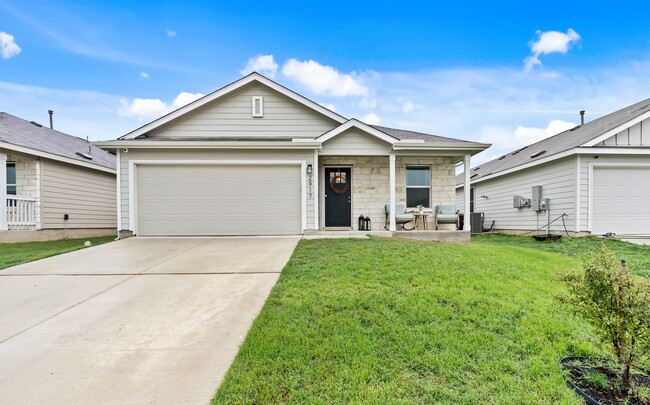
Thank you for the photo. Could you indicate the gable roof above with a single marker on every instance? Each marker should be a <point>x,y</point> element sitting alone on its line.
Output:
<point>564,141</point>
<point>253,77</point>
<point>404,135</point>
<point>354,123</point>
<point>17,132</point>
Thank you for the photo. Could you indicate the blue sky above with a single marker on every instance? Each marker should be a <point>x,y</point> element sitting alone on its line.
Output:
<point>447,68</point>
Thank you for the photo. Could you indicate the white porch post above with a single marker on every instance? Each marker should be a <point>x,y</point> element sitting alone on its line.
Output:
<point>3,192</point>
<point>315,191</point>
<point>391,226</point>
<point>467,226</point>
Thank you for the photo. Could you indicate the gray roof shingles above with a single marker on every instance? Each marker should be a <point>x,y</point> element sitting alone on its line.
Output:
<point>404,135</point>
<point>20,132</point>
<point>559,143</point>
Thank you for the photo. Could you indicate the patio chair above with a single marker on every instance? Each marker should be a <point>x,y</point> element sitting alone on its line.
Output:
<point>401,217</point>
<point>446,213</point>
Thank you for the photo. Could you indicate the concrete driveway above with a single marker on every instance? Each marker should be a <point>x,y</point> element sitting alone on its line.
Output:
<point>138,321</point>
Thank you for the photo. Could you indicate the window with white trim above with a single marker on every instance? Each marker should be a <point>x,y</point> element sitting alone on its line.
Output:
<point>258,106</point>
<point>11,178</point>
<point>418,186</point>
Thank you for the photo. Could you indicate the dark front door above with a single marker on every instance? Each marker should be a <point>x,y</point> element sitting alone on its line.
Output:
<point>338,196</point>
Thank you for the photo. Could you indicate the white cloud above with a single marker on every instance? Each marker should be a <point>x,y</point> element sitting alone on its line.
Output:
<point>8,47</point>
<point>371,119</point>
<point>408,107</point>
<point>144,75</point>
<point>151,108</point>
<point>263,64</point>
<point>367,103</point>
<point>324,79</point>
<point>549,42</point>
<point>528,135</point>
<point>170,33</point>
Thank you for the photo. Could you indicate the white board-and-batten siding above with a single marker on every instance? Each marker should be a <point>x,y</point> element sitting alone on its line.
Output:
<point>87,196</point>
<point>232,117</point>
<point>558,181</point>
<point>171,155</point>
<point>354,143</point>
<point>636,135</point>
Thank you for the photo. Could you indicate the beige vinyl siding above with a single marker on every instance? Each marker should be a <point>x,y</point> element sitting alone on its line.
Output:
<point>585,160</point>
<point>636,135</point>
<point>87,196</point>
<point>354,142</point>
<point>558,181</point>
<point>203,154</point>
<point>232,117</point>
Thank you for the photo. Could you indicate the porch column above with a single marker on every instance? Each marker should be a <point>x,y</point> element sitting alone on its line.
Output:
<point>467,226</point>
<point>391,226</point>
<point>3,192</point>
<point>315,175</point>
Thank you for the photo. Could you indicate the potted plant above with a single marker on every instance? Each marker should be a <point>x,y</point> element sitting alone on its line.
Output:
<point>617,304</point>
<point>420,208</point>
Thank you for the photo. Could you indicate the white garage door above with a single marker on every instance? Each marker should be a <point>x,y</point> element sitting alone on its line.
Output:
<point>218,200</point>
<point>621,200</point>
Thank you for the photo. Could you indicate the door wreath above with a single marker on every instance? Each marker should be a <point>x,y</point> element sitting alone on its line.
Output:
<point>340,179</point>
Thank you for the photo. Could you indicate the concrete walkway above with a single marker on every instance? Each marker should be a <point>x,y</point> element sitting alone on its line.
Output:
<point>138,321</point>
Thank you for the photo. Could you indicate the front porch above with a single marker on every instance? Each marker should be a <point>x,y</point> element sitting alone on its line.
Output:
<point>373,182</point>
<point>19,185</point>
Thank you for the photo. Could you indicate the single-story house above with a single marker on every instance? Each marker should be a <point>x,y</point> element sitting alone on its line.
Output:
<point>53,185</point>
<point>597,173</point>
<point>255,158</point>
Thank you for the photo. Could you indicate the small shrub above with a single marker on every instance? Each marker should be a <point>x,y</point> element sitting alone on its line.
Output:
<point>617,304</point>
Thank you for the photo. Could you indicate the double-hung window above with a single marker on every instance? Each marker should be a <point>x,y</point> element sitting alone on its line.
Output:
<point>11,178</point>
<point>418,186</point>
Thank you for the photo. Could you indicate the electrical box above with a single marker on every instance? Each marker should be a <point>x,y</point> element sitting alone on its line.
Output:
<point>519,201</point>
<point>537,198</point>
<point>545,204</point>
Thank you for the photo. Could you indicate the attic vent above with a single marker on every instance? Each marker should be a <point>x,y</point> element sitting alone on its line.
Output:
<point>85,156</point>
<point>258,106</point>
<point>519,150</point>
<point>502,157</point>
<point>476,168</point>
<point>36,123</point>
<point>536,154</point>
<point>473,175</point>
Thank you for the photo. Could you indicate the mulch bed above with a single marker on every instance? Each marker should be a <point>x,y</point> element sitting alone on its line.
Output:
<point>579,370</point>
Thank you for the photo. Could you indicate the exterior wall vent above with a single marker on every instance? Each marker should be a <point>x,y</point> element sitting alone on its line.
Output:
<point>258,106</point>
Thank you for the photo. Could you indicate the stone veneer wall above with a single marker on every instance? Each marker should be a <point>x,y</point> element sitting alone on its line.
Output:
<point>28,177</point>
<point>370,184</point>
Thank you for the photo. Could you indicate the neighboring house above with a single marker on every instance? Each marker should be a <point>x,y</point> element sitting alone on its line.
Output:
<point>597,173</point>
<point>47,176</point>
<point>255,158</point>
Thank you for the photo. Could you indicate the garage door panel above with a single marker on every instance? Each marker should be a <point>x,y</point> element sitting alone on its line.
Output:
<point>219,200</point>
<point>621,200</point>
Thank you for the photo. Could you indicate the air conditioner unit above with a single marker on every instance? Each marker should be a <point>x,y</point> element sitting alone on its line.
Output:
<point>477,219</point>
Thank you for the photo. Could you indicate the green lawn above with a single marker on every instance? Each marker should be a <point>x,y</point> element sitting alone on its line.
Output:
<point>12,254</point>
<point>395,321</point>
<point>638,256</point>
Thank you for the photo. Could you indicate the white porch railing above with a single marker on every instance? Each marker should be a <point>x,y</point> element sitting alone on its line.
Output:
<point>20,212</point>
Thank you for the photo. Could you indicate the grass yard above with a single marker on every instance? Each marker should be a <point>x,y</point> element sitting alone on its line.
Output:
<point>12,254</point>
<point>638,256</point>
<point>395,321</point>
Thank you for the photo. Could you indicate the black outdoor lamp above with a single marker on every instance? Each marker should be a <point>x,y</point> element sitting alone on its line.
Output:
<point>309,169</point>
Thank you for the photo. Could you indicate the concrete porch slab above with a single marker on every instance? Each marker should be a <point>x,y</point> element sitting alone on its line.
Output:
<point>436,236</point>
